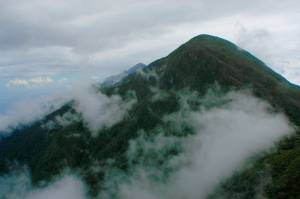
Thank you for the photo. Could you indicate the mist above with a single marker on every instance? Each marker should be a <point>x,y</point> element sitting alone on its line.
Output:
<point>95,108</point>
<point>99,110</point>
<point>225,137</point>
<point>18,185</point>
<point>26,112</point>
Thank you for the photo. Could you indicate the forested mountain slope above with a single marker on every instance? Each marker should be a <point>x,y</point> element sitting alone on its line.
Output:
<point>196,77</point>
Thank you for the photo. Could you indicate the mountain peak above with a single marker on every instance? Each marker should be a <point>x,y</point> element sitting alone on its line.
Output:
<point>209,42</point>
<point>205,60</point>
<point>214,54</point>
<point>207,37</point>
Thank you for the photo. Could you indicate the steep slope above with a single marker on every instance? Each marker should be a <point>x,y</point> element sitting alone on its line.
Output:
<point>205,60</point>
<point>197,65</point>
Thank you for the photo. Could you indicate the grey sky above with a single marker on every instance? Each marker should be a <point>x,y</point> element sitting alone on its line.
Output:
<point>53,37</point>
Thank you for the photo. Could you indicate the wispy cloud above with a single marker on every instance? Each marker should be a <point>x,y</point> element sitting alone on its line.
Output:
<point>99,110</point>
<point>28,111</point>
<point>31,82</point>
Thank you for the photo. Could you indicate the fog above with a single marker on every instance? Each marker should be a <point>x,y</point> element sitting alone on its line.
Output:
<point>99,110</point>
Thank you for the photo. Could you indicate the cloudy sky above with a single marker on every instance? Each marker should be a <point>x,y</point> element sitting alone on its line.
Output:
<point>44,44</point>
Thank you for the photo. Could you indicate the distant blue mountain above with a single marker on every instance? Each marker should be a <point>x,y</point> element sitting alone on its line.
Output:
<point>111,80</point>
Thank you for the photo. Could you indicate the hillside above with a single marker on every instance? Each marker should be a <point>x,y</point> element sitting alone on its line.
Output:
<point>200,72</point>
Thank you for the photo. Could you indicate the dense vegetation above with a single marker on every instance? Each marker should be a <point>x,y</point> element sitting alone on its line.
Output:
<point>196,65</point>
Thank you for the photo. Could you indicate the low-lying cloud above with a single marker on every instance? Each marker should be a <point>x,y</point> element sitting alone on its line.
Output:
<point>227,130</point>
<point>99,110</point>
<point>96,109</point>
<point>26,112</point>
<point>18,186</point>
<point>225,137</point>
<point>62,121</point>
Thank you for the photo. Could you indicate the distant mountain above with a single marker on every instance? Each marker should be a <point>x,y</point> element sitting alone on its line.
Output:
<point>187,73</point>
<point>109,81</point>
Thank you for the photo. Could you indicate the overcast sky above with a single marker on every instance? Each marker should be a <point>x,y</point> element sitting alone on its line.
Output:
<point>50,41</point>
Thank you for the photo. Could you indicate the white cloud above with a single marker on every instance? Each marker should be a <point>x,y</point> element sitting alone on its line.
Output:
<point>35,81</point>
<point>18,186</point>
<point>67,187</point>
<point>98,110</point>
<point>25,112</point>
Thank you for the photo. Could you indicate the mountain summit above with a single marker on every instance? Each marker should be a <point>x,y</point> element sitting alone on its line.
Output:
<point>205,60</point>
<point>149,116</point>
